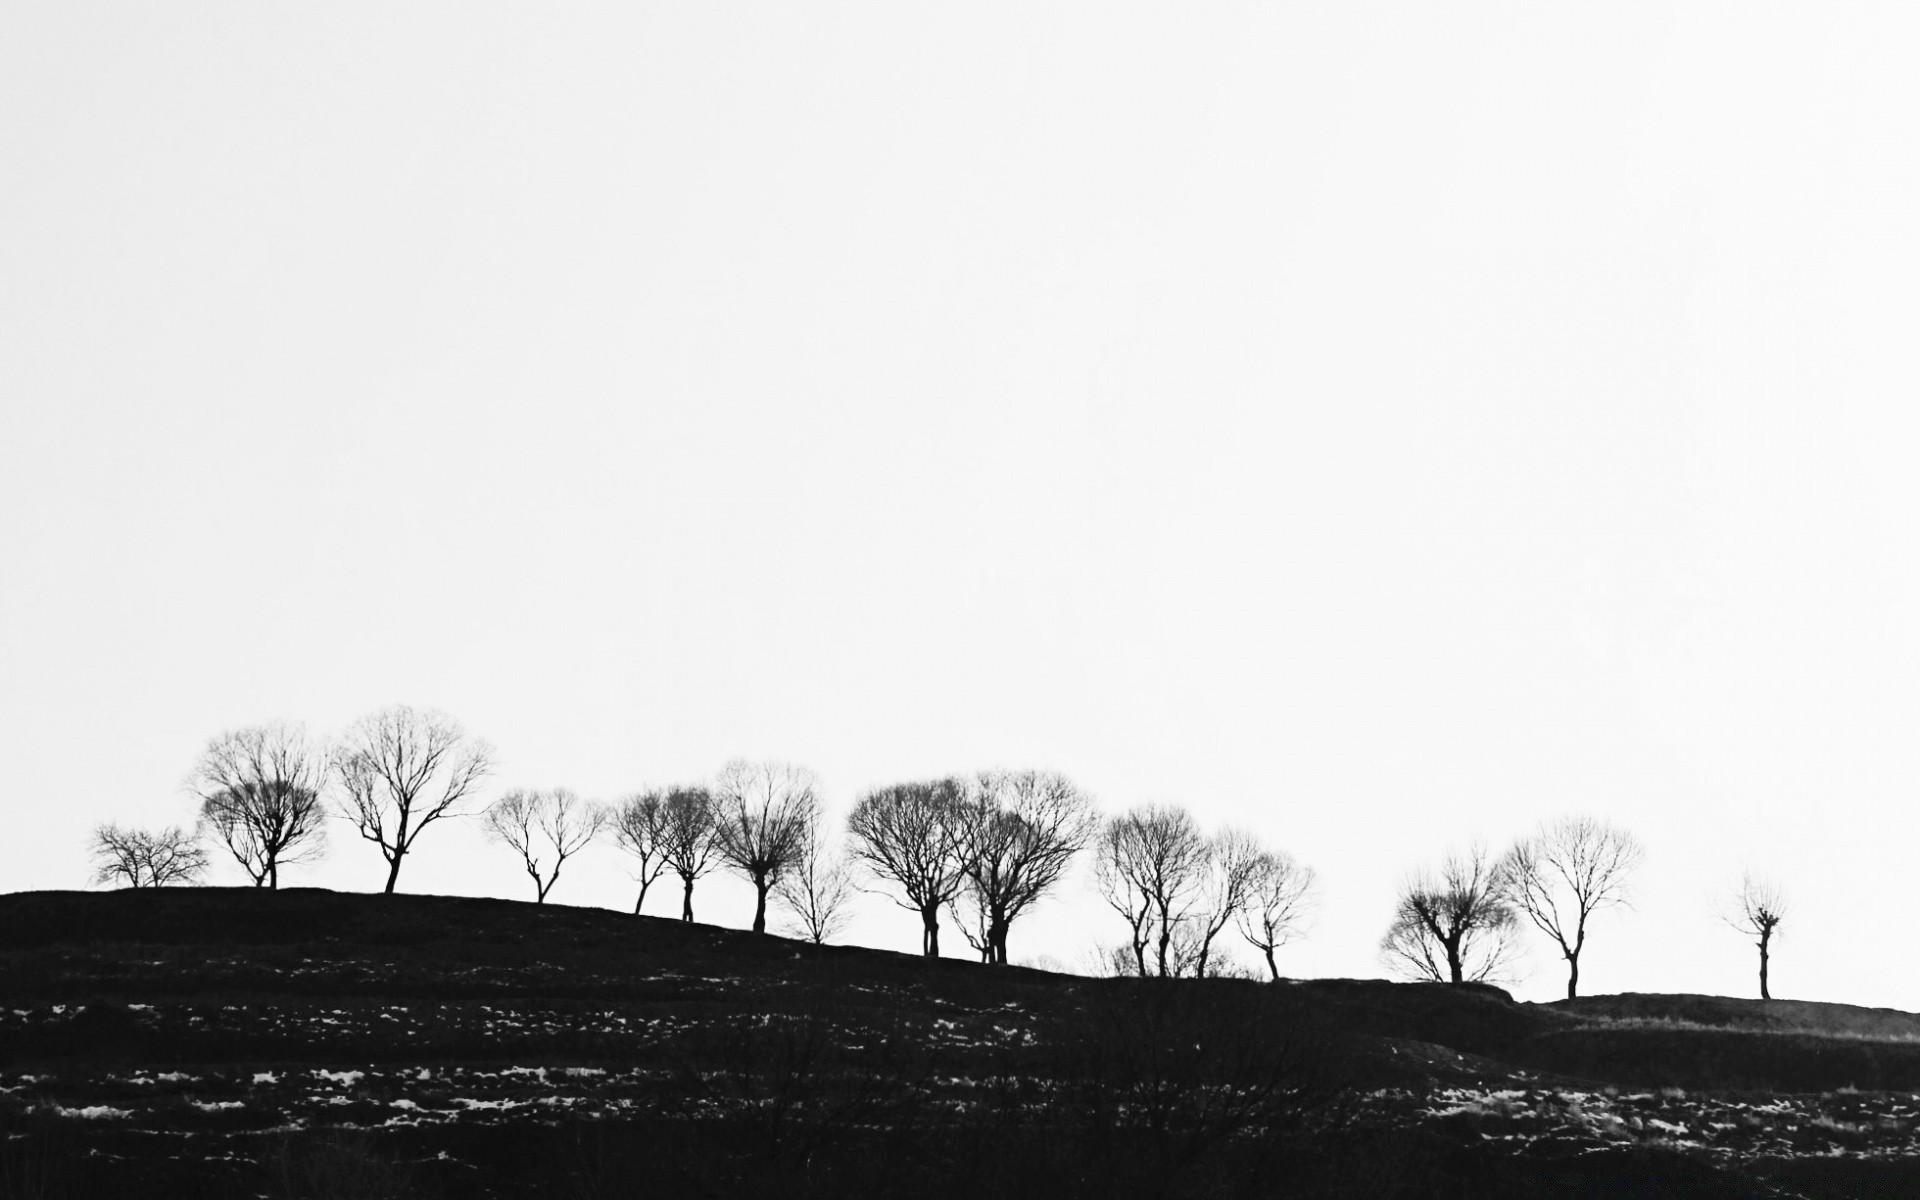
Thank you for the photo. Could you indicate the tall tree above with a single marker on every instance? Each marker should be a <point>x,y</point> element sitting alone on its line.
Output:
<point>766,814</point>
<point>146,858</point>
<point>1453,926</point>
<point>1019,831</point>
<point>688,839</point>
<point>640,827</point>
<point>909,835</point>
<point>1151,865</point>
<point>1758,909</point>
<point>1233,861</point>
<point>545,829</point>
<point>818,890</point>
<point>1277,905</point>
<point>260,792</point>
<point>402,770</point>
<point>1563,874</point>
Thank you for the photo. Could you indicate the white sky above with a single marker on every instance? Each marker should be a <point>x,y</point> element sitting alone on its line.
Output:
<point>1373,424</point>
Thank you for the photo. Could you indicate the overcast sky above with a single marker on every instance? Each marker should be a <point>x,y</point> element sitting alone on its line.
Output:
<point>1375,425</point>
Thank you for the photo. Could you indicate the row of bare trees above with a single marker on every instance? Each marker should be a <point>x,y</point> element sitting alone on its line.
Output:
<point>985,848</point>
<point>1179,889</point>
<point>261,790</point>
<point>1460,922</point>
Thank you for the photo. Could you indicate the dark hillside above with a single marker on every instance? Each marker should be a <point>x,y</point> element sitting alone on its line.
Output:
<point>235,1042</point>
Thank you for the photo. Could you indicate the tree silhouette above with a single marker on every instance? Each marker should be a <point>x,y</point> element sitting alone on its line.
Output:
<point>403,769</point>
<point>817,889</point>
<point>1562,875</point>
<point>260,792</point>
<point>640,828</point>
<point>146,858</point>
<point>1454,926</point>
<point>1150,869</point>
<point>687,839</point>
<point>1233,863</point>
<point>1277,904</point>
<point>764,816</point>
<point>910,835</point>
<point>545,829</point>
<point>1018,832</point>
<point>1758,909</point>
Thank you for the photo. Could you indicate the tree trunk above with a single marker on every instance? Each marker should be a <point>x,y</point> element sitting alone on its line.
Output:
<point>393,871</point>
<point>1166,935</point>
<point>686,900</point>
<point>760,886</point>
<point>1454,968</point>
<point>930,932</point>
<point>1573,977</point>
<point>1268,951</point>
<point>1764,939</point>
<point>642,900</point>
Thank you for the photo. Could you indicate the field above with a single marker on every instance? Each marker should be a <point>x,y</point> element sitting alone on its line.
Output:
<point>305,1043</point>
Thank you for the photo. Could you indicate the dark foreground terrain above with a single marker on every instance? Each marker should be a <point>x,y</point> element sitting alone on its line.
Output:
<point>305,1043</point>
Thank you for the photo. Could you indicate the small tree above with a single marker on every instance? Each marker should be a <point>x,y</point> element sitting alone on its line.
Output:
<point>259,791</point>
<point>1277,905</point>
<point>1150,867</point>
<point>1562,875</point>
<point>1454,926</point>
<point>146,858</point>
<point>818,891</point>
<point>1758,909</point>
<point>687,839</point>
<point>545,829</point>
<point>1018,833</point>
<point>909,835</point>
<point>766,814</point>
<point>1232,866</point>
<point>403,769</point>
<point>640,827</point>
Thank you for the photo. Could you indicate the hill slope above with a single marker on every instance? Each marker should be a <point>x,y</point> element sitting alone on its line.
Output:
<point>252,1042</point>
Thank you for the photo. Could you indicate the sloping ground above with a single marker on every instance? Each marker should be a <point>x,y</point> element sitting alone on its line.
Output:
<point>239,1042</point>
<point>1726,1012</point>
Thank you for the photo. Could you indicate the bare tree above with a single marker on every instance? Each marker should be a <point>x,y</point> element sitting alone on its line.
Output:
<point>688,839</point>
<point>640,827</point>
<point>1232,866</point>
<point>1277,905</point>
<point>260,792</point>
<point>1758,909</point>
<point>401,770</point>
<point>545,829</point>
<point>1019,831</point>
<point>817,889</point>
<point>147,858</point>
<point>908,834</point>
<point>1455,926</point>
<point>1151,864</point>
<point>1566,872</point>
<point>766,814</point>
